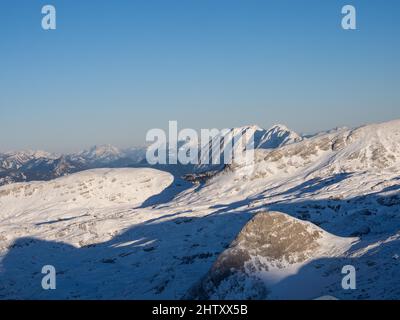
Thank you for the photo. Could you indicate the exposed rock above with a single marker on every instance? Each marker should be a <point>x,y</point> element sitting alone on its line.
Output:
<point>269,240</point>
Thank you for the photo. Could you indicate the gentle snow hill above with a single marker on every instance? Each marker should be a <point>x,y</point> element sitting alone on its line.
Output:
<point>98,188</point>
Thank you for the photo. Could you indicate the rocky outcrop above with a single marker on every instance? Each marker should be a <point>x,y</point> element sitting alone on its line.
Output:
<point>271,240</point>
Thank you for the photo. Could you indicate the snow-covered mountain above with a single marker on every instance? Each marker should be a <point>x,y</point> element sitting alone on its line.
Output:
<point>275,137</point>
<point>282,230</point>
<point>14,160</point>
<point>99,154</point>
<point>372,150</point>
<point>42,166</point>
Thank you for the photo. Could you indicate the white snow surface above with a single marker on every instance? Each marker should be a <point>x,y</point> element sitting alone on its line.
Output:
<point>143,234</point>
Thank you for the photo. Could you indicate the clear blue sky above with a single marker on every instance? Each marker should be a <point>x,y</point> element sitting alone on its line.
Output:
<point>114,69</point>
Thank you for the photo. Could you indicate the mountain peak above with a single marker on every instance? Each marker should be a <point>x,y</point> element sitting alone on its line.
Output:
<point>277,136</point>
<point>280,127</point>
<point>104,148</point>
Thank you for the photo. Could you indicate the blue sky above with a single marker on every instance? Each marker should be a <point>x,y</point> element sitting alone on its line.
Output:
<point>114,69</point>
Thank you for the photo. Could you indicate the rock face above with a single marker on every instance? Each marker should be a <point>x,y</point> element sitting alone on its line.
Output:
<point>274,236</point>
<point>271,240</point>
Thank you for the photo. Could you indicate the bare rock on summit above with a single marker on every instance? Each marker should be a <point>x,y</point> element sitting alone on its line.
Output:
<point>278,237</point>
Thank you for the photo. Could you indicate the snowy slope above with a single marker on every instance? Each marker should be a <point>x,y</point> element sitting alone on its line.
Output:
<point>148,235</point>
<point>372,151</point>
<point>85,195</point>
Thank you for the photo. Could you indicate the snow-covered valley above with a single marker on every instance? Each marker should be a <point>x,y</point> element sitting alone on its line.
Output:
<point>280,229</point>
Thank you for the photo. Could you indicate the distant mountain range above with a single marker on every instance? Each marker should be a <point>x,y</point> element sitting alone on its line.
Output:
<point>40,165</point>
<point>24,166</point>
